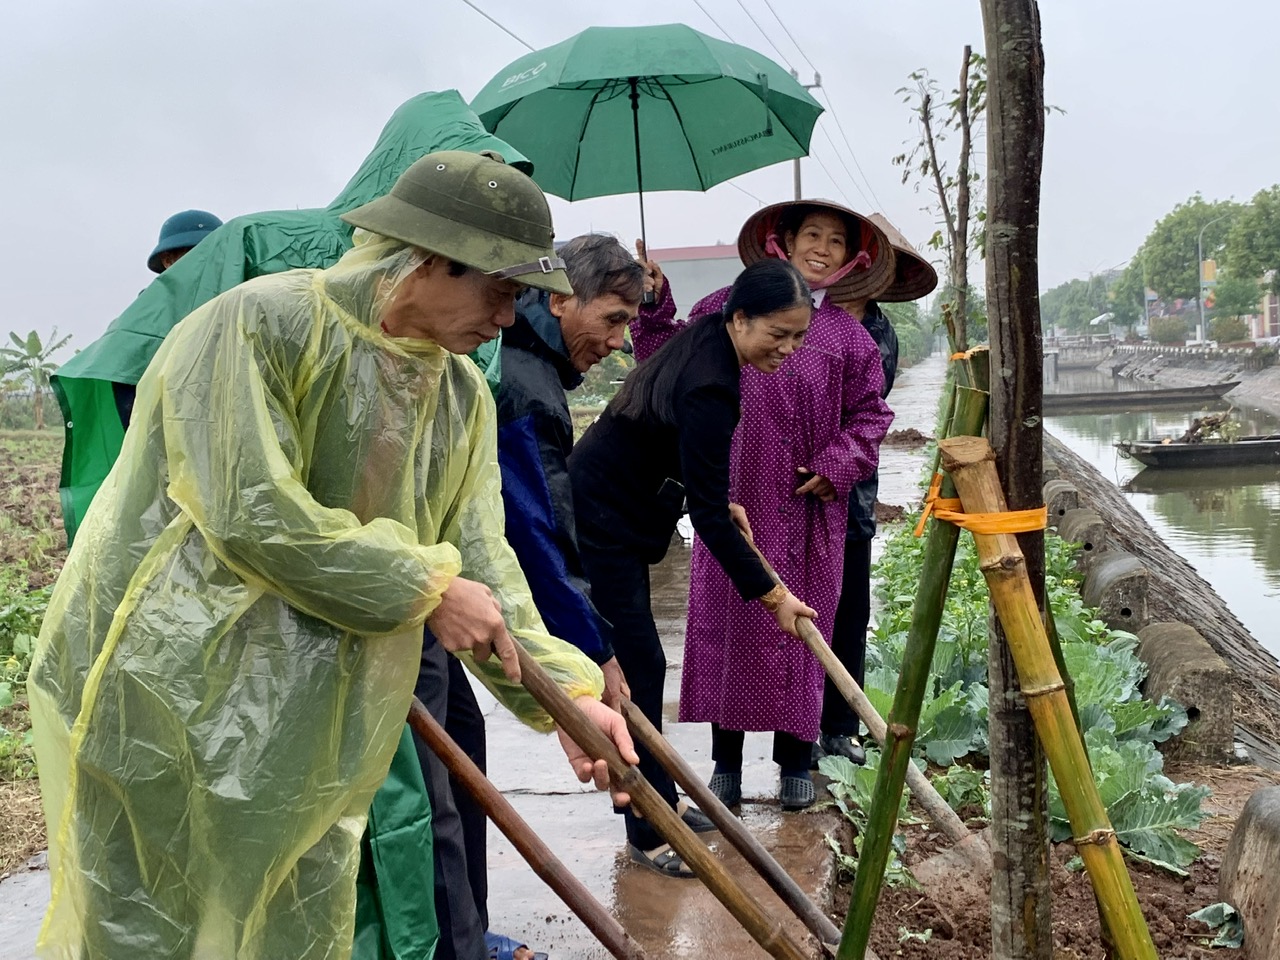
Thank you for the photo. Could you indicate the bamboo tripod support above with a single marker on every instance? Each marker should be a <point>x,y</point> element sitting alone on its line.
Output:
<point>764,929</point>
<point>602,924</point>
<point>970,463</point>
<point>967,413</point>
<point>731,828</point>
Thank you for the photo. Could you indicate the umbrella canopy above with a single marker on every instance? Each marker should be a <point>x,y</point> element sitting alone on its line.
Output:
<point>625,109</point>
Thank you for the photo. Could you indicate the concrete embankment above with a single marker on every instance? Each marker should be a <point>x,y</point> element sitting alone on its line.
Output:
<point>1259,376</point>
<point>1175,592</point>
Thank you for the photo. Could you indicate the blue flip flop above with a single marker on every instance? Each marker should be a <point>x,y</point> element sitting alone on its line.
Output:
<point>501,947</point>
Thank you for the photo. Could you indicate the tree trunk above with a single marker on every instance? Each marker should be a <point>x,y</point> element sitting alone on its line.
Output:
<point>960,251</point>
<point>1020,906</point>
<point>38,394</point>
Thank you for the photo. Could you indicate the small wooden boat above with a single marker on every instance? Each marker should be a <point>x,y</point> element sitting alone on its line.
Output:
<point>1119,400</point>
<point>1206,453</point>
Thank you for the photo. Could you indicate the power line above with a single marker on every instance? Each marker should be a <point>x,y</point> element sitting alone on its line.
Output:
<point>835,183</point>
<point>788,33</point>
<point>852,156</point>
<point>831,108</point>
<point>713,20</point>
<point>766,36</point>
<point>497,24</point>
<point>852,179</point>
<point>747,192</point>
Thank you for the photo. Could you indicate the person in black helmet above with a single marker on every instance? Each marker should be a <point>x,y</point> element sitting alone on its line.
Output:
<point>179,235</point>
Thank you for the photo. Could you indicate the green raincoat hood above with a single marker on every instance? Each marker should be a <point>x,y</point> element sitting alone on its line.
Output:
<point>241,249</point>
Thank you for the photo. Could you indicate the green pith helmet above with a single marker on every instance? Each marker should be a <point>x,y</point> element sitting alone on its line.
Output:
<point>473,209</point>
<point>182,231</point>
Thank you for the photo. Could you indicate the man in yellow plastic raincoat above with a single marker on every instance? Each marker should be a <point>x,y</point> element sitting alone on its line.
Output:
<point>227,660</point>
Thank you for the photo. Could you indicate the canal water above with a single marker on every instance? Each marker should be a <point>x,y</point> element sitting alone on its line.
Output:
<point>1224,522</point>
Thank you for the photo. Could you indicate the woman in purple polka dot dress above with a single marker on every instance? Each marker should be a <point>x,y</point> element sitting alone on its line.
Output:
<point>806,436</point>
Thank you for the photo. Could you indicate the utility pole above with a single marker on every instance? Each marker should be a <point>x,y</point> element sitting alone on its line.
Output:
<point>817,82</point>
<point>1200,273</point>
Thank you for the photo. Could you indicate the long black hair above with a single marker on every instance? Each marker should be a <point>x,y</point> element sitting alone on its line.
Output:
<point>765,287</point>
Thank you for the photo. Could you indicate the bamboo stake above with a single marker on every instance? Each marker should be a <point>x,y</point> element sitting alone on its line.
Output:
<point>904,717</point>
<point>970,462</point>
<point>935,808</point>
<point>567,887</point>
<point>731,827</point>
<point>764,929</point>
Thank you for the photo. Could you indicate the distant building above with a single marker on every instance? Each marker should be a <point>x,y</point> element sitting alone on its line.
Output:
<point>695,272</point>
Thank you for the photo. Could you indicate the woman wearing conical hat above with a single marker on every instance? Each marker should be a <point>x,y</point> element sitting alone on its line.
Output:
<point>807,435</point>
<point>913,278</point>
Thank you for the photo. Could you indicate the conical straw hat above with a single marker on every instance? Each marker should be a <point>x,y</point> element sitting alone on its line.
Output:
<point>861,283</point>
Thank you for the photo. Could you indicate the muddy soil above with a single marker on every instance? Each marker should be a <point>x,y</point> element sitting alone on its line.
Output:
<point>962,929</point>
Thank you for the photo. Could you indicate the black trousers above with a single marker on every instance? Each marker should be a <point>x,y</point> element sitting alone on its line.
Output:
<point>789,752</point>
<point>849,637</point>
<point>620,591</point>
<point>458,822</point>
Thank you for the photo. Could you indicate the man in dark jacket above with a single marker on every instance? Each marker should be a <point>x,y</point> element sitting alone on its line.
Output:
<point>555,340</point>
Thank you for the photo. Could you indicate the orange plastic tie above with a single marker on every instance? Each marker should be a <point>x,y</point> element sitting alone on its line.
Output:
<point>951,510</point>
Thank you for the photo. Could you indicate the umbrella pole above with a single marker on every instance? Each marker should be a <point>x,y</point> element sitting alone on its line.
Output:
<point>545,864</point>
<point>649,296</point>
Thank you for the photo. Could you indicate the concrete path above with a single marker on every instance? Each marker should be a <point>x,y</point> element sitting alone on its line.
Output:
<point>669,918</point>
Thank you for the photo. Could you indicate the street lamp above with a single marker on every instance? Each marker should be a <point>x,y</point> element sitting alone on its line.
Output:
<point>1200,273</point>
<point>817,82</point>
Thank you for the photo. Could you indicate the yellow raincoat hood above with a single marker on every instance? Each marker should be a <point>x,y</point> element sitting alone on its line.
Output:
<point>228,656</point>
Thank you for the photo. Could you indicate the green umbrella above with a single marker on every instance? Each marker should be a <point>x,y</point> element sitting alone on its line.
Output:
<point>620,109</point>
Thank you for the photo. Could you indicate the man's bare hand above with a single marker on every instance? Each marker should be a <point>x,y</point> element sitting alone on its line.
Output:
<point>652,272</point>
<point>470,618</point>
<point>818,485</point>
<point>611,724</point>
<point>615,684</point>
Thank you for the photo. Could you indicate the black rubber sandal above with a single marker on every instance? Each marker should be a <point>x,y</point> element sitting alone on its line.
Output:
<point>662,860</point>
<point>727,787</point>
<point>796,793</point>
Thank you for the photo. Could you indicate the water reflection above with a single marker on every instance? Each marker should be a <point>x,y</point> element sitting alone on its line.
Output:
<point>1225,522</point>
<point>1091,381</point>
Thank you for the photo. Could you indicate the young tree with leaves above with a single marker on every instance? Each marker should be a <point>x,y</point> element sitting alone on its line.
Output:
<point>958,189</point>
<point>30,359</point>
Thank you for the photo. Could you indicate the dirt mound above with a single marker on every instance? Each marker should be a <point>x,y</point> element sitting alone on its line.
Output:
<point>888,512</point>
<point>907,439</point>
<point>961,929</point>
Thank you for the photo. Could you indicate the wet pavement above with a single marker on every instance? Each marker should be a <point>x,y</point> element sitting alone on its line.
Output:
<point>669,918</point>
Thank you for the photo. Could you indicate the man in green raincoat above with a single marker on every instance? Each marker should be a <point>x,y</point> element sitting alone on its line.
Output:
<point>310,476</point>
<point>395,922</point>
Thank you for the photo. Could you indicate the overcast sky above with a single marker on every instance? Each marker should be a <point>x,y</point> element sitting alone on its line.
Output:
<point>113,115</point>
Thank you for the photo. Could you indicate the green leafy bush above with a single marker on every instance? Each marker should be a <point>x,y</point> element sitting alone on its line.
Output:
<point>1121,727</point>
<point>1168,330</point>
<point>21,613</point>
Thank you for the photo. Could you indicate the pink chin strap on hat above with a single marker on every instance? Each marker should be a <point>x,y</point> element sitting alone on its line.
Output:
<point>861,261</point>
